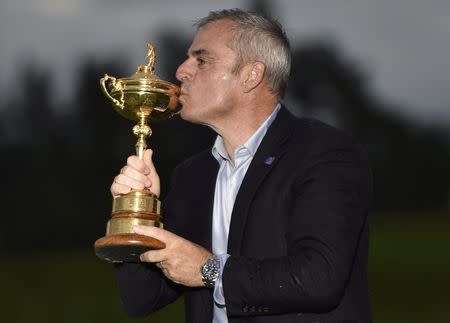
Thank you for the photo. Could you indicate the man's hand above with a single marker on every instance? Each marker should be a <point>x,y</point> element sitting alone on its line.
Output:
<point>137,174</point>
<point>180,260</point>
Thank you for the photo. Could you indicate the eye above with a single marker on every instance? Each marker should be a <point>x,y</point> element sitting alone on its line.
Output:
<point>200,61</point>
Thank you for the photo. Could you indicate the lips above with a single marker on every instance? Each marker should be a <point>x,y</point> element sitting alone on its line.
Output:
<point>182,95</point>
<point>183,90</point>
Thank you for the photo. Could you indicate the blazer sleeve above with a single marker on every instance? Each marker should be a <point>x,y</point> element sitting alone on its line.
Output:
<point>142,287</point>
<point>329,209</point>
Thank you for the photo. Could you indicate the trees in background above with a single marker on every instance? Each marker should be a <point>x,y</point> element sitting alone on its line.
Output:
<point>58,162</point>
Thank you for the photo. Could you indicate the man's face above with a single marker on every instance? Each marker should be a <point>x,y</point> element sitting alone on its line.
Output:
<point>209,89</point>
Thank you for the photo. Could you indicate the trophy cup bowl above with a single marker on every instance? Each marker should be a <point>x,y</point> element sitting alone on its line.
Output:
<point>142,97</point>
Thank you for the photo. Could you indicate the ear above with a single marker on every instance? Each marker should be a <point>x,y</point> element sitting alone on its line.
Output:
<point>253,75</point>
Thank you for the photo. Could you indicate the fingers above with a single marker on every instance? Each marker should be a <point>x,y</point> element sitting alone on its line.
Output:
<point>160,234</point>
<point>147,158</point>
<point>164,265</point>
<point>154,256</point>
<point>134,175</point>
<point>137,174</point>
<point>123,184</point>
<point>117,189</point>
<point>153,174</point>
<point>181,259</point>
<point>138,164</point>
<point>155,232</point>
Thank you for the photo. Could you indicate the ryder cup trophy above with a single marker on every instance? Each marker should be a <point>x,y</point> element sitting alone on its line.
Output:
<point>142,97</point>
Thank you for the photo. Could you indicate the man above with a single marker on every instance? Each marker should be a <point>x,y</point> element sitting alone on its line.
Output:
<point>271,224</point>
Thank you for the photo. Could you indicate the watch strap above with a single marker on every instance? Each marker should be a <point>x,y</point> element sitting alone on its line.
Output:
<point>210,271</point>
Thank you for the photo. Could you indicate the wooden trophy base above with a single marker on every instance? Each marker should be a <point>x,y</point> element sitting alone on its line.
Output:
<point>125,247</point>
<point>121,243</point>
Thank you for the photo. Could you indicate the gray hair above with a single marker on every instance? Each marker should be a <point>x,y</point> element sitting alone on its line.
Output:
<point>257,38</point>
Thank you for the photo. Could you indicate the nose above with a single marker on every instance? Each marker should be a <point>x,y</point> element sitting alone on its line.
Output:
<point>184,73</point>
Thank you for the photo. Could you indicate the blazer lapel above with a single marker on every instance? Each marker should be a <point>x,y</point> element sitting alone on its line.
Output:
<point>205,189</point>
<point>270,150</point>
<point>204,209</point>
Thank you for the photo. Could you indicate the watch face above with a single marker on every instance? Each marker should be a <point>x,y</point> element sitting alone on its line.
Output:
<point>210,271</point>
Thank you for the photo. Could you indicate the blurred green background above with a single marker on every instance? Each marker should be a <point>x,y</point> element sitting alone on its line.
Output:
<point>409,279</point>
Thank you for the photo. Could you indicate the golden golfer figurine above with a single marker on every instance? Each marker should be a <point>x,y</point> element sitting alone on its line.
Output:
<point>141,97</point>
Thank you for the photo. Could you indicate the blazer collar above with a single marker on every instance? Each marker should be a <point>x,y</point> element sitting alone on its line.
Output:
<point>270,150</point>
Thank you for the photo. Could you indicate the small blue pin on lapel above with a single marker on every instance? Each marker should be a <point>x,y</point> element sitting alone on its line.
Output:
<point>269,160</point>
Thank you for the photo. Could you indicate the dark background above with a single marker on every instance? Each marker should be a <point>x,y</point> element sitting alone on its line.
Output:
<point>57,169</point>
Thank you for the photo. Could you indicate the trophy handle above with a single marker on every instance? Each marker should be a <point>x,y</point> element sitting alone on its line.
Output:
<point>118,103</point>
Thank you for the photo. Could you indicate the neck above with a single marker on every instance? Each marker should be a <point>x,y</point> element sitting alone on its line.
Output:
<point>237,127</point>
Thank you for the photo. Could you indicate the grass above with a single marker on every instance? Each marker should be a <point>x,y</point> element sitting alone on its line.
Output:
<point>409,280</point>
<point>409,270</point>
<point>69,287</point>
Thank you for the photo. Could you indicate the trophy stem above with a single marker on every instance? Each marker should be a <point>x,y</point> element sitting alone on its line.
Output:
<point>142,131</point>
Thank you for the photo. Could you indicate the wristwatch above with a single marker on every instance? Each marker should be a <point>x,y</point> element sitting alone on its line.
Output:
<point>210,271</point>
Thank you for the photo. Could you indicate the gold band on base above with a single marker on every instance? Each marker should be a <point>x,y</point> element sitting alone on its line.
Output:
<point>125,225</point>
<point>137,201</point>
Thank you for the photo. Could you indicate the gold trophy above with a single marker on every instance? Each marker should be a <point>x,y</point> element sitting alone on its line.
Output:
<point>141,98</point>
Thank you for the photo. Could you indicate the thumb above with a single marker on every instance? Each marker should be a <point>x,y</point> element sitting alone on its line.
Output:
<point>152,175</point>
<point>154,232</point>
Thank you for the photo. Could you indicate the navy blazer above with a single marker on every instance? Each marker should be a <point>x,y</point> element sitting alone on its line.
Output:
<point>298,235</point>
